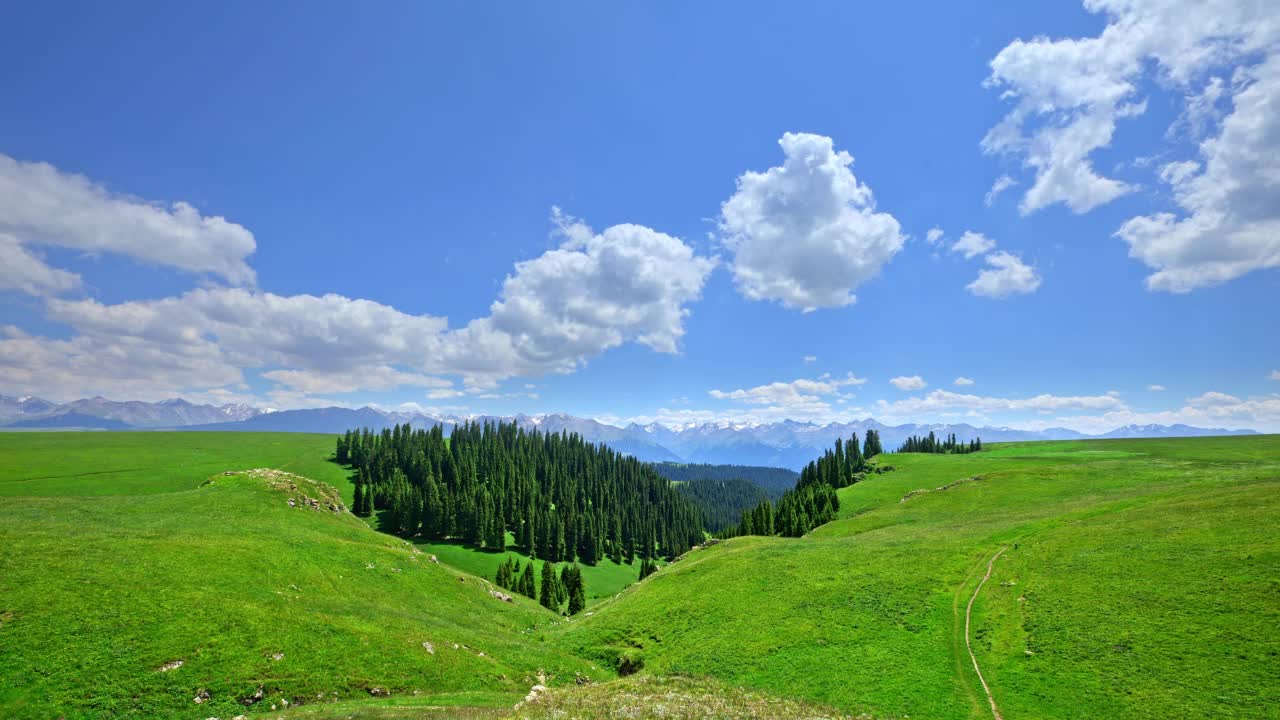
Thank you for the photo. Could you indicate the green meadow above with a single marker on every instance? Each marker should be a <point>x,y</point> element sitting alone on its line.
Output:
<point>1138,579</point>
<point>1141,580</point>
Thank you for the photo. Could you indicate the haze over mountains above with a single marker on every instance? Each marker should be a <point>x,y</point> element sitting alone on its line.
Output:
<point>788,443</point>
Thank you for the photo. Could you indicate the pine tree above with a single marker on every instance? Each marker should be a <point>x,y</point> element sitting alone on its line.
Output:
<point>577,592</point>
<point>526,584</point>
<point>548,595</point>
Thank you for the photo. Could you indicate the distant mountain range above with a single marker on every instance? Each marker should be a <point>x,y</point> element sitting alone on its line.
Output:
<point>787,444</point>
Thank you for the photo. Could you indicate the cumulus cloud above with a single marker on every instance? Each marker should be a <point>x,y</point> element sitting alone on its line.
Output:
<point>23,271</point>
<point>933,236</point>
<point>43,206</point>
<point>594,292</point>
<point>1230,220</point>
<point>806,233</point>
<point>962,381</point>
<point>628,283</point>
<point>1007,275</point>
<point>1002,183</point>
<point>1156,388</point>
<point>1069,94</point>
<point>973,243</point>
<point>909,383</point>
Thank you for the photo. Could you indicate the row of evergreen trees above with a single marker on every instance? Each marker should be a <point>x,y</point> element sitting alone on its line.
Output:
<point>813,501</point>
<point>555,590</point>
<point>843,465</point>
<point>931,444</point>
<point>563,499</point>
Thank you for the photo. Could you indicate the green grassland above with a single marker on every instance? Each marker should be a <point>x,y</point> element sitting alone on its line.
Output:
<point>1141,580</point>
<point>119,558</point>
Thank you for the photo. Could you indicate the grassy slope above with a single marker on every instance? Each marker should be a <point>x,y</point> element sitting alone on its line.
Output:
<point>1141,575</point>
<point>602,581</point>
<point>106,577</point>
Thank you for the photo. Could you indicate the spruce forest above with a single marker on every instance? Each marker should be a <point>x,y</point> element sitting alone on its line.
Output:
<point>562,498</point>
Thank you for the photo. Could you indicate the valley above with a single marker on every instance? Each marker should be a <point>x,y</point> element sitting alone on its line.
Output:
<point>1135,579</point>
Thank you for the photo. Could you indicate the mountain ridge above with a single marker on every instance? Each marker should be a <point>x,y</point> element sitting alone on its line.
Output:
<point>786,443</point>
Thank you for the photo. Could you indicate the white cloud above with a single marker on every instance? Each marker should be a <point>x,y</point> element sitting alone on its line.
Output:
<point>628,283</point>
<point>22,271</point>
<point>939,401</point>
<point>1231,219</point>
<point>1211,410</point>
<point>1008,275</point>
<point>972,243</point>
<point>371,377</point>
<point>1002,183</point>
<point>800,399</point>
<point>1156,388</point>
<point>909,383</point>
<point>810,359</point>
<point>933,236</point>
<point>963,381</point>
<point>1275,375</point>
<point>596,291</point>
<point>1069,95</point>
<point>41,205</point>
<point>806,233</point>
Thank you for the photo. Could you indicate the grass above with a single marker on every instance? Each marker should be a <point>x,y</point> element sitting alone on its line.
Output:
<point>1140,579</point>
<point>145,463</point>
<point>1142,576</point>
<point>603,580</point>
<point>108,577</point>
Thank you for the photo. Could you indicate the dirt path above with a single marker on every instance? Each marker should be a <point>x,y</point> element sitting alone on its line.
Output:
<point>967,612</point>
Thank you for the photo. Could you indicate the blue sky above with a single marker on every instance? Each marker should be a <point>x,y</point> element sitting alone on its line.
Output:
<point>294,208</point>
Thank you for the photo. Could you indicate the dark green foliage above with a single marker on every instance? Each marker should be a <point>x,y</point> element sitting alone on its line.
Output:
<point>549,594</point>
<point>774,481</point>
<point>871,447</point>
<point>526,585</point>
<point>813,501</point>
<point>722,502</point>
<point>575,589</point>
<point>647,568</point>
<point>563,498</point>
<point>931,444</point>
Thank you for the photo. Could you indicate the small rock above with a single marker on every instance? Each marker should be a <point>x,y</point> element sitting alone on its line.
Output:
<point>429,647</point>
<point>461,579</point>
<point>377,692</point>
<point>201,697</point>
<point>173,665</point>
<point>434,559</point>
<point>277,657</point>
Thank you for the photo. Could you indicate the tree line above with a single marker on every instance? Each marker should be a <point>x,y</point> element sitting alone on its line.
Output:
<point>931,444</point>
<point>813,501</point>
<point>562,498</point>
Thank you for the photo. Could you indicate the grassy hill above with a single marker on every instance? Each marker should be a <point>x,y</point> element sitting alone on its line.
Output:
<point>1140,580</point>
<point>122,557</point>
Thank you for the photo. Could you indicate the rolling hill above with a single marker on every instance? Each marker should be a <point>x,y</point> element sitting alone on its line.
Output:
<point>1137,581</point>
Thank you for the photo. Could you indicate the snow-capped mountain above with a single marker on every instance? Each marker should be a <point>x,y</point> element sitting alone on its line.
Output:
<point>788,443</point>
<point>99,412</point>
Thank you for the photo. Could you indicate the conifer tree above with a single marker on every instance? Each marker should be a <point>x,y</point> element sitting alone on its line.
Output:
<point>547,597</point>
